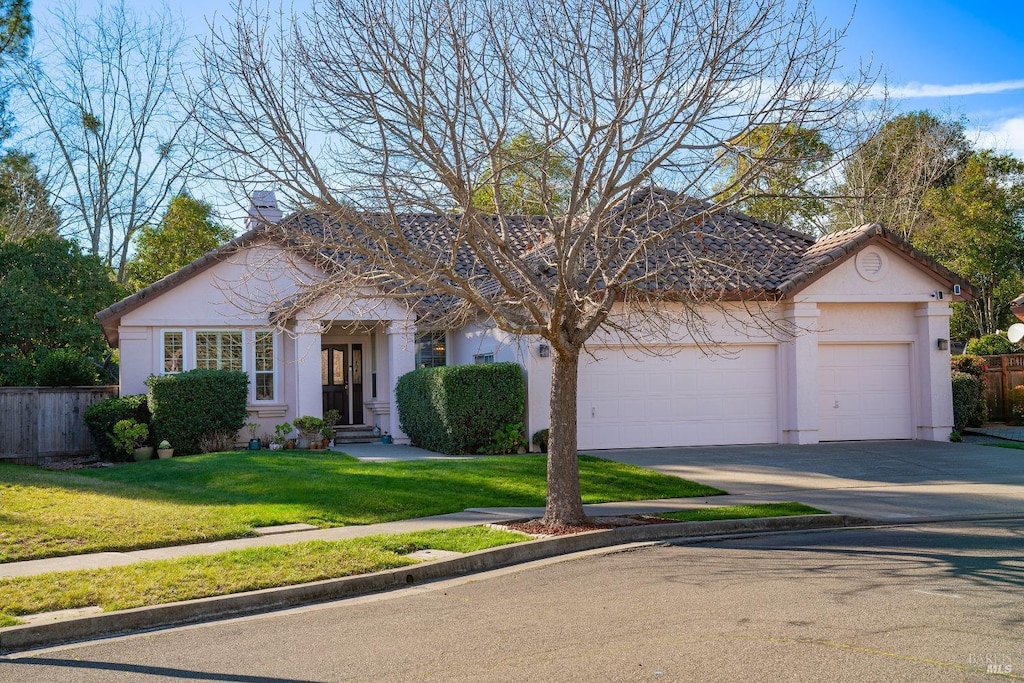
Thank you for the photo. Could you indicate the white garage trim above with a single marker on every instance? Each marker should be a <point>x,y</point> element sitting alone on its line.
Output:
<point>629,400</point>
<point>865,392</point>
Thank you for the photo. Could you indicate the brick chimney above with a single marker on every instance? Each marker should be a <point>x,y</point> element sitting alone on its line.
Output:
<point>262,209</point>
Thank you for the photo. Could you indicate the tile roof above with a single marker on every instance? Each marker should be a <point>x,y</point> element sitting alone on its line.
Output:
<point>699,249</point>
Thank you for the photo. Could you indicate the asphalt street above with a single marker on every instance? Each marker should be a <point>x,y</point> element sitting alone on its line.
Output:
<point>938,602</point>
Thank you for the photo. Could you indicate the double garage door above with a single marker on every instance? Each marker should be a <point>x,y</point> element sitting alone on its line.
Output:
<point>684,398</point>
<point>680,398</point>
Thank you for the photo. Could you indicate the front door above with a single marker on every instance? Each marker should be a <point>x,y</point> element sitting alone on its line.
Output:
<point>334,373</point>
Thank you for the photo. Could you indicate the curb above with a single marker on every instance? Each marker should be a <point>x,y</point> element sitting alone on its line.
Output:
<point>30,636</point>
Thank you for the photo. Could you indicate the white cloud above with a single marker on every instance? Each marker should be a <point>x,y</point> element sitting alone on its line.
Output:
<point>911,90</point>
<point>1003,136</point>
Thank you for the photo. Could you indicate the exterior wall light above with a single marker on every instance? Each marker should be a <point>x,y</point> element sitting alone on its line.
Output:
<point>544,350</point>
<point>943,344</point>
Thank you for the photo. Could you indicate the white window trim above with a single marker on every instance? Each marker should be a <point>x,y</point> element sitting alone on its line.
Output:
<point>222,330</point>
<point>184,350</point>
<point>275,384</point>
<point>478,358</point>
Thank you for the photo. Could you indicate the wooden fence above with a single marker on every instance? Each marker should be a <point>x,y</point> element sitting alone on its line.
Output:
<point>1004,373</point>
<point>42,422</point>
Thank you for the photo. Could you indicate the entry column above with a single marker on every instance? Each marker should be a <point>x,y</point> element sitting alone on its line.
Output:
<point>800,420</point>
<point>401,359</point>
<point>934,413</point>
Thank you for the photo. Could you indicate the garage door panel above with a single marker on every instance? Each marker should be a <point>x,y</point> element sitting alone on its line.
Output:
<point>864,392</point>
<point>682,399</point>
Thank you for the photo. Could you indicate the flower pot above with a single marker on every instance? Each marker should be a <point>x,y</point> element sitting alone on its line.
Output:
<point>143,453</point>
<point>164,453</point>
<point>387,438</point>
<point>255,444</point>
<point>289,444</point>
<point>303,443</point>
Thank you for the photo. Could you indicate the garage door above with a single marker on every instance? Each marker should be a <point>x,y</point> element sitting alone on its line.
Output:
<point>864,392</point>
<point>628,400</point>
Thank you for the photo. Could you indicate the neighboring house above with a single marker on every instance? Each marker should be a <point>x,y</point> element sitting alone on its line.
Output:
<point>871,360</point>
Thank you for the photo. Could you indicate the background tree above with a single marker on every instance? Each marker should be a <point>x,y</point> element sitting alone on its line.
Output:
<point>516,180</point>
<point>976,228</point>
<point>49,293</point>
<point>109,126</point>
<point>390,106</point>
<point>188,230</point>
<point>24,200</point>
<point>775,167</point>
<point>886,179</point>
<point>15,31</point>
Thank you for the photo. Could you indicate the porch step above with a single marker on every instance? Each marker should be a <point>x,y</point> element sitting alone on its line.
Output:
<point>354,434</point>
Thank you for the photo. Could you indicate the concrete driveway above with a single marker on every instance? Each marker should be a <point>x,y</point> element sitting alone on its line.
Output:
<point>884,480</point>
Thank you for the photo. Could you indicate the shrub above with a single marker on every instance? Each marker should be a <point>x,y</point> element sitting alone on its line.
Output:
<point>991,345</point>
<point>129,435</point>
<point>66,368</point>
<point>540,439</point>
<point>309,427</point>
<point>190,405</point>
<point>218,440</point>
<point>101,417</point>
<point>457,409</point>
<point>972,365</point>
<point>507,439</point>
<point>968,401</point>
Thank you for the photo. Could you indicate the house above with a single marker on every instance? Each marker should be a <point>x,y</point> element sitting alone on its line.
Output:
<point>870,359</point>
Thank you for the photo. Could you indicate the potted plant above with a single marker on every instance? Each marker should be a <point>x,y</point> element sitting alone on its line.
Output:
<point>309,430</point>
<point>164,450</point>
<point>254,439</point>
<point>330,419</point>
<point>130,437</point>
<point>328,435</point>
<point>281,433</point>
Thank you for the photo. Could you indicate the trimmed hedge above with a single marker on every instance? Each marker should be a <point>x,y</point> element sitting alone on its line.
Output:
<point>972,365</point>
<point>457,409</point>
<point>968,401</point>
<point>101,417</point>
<point>190,405</point>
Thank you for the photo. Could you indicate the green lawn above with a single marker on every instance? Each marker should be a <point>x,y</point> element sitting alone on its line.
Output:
<point>1015,445</point>
<point>187,578</point>
<point>710,514</point>
<point>224,495</point>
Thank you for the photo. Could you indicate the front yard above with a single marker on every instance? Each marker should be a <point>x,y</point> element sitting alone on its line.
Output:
<point>225,495</point>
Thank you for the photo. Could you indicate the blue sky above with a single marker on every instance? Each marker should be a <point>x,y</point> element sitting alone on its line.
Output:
<point>959,57</point>
<point>964,58</point>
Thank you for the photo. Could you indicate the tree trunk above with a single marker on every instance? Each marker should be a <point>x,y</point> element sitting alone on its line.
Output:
<point>564,503</point>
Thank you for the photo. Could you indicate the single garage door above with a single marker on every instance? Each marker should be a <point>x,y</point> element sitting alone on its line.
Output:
<point>864,392</point>
<point>629,400</point>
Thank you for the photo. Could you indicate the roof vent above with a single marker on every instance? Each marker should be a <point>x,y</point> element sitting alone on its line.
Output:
<point>872,264</point>
<point>262,209</point>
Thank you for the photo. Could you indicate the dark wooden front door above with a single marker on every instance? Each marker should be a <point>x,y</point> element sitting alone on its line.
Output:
<point>334,373</point>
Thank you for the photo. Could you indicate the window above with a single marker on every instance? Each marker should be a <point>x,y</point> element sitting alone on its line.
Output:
<point>263,368</point>
<point>430,350</point>
<point>483,358</point>
<point>173,352</point>
<point>219,350</point>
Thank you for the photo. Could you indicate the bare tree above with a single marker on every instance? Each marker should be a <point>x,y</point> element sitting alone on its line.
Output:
<point>887,177</point>
<point>366,110</point>
<point>111,132</point>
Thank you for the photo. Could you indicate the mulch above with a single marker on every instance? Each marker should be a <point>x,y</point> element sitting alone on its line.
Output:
<point>536,527</point>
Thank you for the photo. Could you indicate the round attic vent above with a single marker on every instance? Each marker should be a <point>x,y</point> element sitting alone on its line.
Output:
<point>872,264</point>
